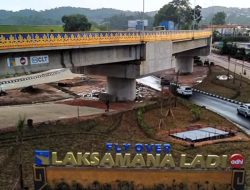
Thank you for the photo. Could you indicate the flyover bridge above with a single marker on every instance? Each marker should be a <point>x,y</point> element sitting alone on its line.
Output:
<point>121,56</point>
<point>42,40</point>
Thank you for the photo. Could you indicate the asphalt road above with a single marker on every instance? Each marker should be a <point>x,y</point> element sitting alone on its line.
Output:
<point>223,108</point>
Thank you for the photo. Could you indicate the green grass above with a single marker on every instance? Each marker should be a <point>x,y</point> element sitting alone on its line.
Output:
<point>229,88</point>
<point>30,28</point>
<point>36,28</point>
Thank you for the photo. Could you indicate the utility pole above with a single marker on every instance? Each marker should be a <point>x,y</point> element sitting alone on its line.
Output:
<point>234,72</point>
<point>242,71</point>
<point>194,17</point>
<point>229,59</point>
<point>176,86</point>
<point>240,80</point>
<point>143,11</point>
<point>193,20</point>
<point>20,129</point>
<point>243,65</point>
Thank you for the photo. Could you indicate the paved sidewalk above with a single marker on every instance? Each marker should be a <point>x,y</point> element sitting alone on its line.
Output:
<point>9,115</point>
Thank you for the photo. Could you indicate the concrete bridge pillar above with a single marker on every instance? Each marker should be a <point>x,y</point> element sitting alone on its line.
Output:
<point>123,89</point>
<point>184,64</point>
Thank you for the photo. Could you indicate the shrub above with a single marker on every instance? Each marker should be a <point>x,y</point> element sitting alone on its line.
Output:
<point>196,113</point>
<point>149,131</point>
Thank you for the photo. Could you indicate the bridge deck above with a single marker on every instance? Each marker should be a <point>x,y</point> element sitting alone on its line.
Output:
<point>42,40</point>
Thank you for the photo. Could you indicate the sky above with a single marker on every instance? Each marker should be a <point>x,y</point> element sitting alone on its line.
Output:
<point>133,5</point>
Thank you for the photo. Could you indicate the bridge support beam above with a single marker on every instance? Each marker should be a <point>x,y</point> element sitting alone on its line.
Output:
<point>121,88</point>
<point>184,64</point>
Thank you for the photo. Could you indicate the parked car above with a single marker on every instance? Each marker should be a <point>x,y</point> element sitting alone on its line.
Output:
<point>165,82</point>
<point>185,90</point>
<point>206,62</point>
<point>244,110</point>
<point>198,61</point>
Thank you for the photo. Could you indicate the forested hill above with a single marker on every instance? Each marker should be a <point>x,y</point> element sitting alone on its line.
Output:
<point>53,16</point>
<point>234,15</point>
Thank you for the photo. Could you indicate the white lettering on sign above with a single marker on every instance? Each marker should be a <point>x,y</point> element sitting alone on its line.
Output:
<point>241,162</point>
<point>42,59</point>
<point>237,161</point>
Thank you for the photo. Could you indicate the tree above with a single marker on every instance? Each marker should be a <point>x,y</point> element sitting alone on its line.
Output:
<point>180,12</point>
<point>75,22</point>
<point>219,18</point>
<point>197,16</point>
<point>120,21</point>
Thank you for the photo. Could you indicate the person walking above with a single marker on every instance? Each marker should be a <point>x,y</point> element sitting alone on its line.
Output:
<point>107,105</point>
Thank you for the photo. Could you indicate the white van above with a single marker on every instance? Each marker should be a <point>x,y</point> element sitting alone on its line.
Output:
<point>185,90</point>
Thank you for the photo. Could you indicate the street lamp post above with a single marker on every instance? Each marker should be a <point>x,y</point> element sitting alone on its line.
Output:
<point>106,24</point>
<point>194,20</point>
<point>243,65</point>
<point>194,17</point>
<point>143,11</point>
<point>234,72</point>
<point>229,59</point>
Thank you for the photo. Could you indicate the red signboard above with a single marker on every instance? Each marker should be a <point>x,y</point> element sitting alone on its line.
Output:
<point>237,161</point>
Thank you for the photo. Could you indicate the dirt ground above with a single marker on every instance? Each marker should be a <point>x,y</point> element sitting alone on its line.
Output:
<point>80,87</point>
<point>41,93</point>
<point>99,104</point>
<point>71,92</point>
<point>199,73</point>
<point>91,135</point>
<point>165,125</point>
<point>121,126</point>
<point>238,89</point>
<point>53,92</point>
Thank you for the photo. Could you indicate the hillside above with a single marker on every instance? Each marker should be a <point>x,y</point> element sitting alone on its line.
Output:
<point>234,15</point>
<point>53,16</point>
<point>30,28</point>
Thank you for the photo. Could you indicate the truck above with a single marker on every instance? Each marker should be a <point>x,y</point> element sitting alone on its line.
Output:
<point>168,25</point>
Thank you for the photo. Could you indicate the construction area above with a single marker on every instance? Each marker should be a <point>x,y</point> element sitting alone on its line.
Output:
<point>77,98</point>
<point>67,116</point>
<point>47,102</point>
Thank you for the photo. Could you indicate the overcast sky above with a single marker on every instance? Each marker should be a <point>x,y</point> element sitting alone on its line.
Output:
<point>133,5</point>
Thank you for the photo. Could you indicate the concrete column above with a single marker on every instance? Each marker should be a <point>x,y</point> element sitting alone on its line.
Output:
<point>184,64</point>
<point>123,89</point>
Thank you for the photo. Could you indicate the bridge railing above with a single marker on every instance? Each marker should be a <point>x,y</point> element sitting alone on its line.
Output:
<point>40,40</point>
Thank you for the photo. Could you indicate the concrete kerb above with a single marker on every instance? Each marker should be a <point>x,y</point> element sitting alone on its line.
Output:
<point>217,96</point>
<point>246,131</point>
<point>214,95</point>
